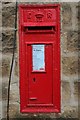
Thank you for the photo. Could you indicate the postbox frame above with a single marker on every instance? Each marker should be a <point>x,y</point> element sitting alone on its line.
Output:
<point>22,58</point>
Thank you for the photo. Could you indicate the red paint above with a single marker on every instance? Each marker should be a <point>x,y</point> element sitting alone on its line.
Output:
<point>39,90</point>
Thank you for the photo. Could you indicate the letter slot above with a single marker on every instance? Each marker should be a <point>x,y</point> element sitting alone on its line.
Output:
<point>42,29</point>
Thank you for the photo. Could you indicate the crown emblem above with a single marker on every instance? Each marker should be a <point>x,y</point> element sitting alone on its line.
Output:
<point>39,17</point>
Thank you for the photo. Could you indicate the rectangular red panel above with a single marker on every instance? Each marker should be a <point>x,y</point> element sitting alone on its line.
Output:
<point>40,80</point>
<point>39,56</point>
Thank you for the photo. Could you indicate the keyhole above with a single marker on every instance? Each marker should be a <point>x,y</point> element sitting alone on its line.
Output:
<point>34,79</point>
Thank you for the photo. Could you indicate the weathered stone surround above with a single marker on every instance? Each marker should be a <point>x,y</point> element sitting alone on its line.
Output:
<point>70,22</point>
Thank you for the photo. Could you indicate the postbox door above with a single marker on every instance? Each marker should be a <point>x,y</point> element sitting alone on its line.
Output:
<point>40,80</point>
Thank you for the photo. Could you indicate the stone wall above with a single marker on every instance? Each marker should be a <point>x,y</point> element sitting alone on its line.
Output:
<point>70,21</point>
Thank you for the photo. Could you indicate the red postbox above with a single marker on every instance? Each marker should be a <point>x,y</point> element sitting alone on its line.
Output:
<point>39,38</point>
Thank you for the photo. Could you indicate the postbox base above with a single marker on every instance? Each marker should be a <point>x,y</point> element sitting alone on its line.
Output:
<point>40,110</point>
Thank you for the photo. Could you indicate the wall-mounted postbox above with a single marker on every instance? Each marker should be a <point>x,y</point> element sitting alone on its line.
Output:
<point>39,38</point>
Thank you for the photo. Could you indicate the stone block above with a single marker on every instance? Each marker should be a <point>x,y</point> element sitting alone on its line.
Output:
<point>4,91</point>
<point>66,93</point>
<point>69,65</point>
<point>0,65</point>
<point>4,111</point>
<point>0,39</point>
<point>0,88</point>
<point>7,41</point>
<point>5,81</point>
<point>78,15</point>
<point>14,110</point>
<point>64,42</point>
<point>70,112</point>
<point>16,68</point>
<point>77,91</point>
<point>72,41</point>
<point>66,15</point>
<point>0,46</point>
<point>79,67</point>
<point>0,109</point>
<point>5,66</point>
<point>0,15</point>
<point>14,96</point>
<point>8,15</point>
